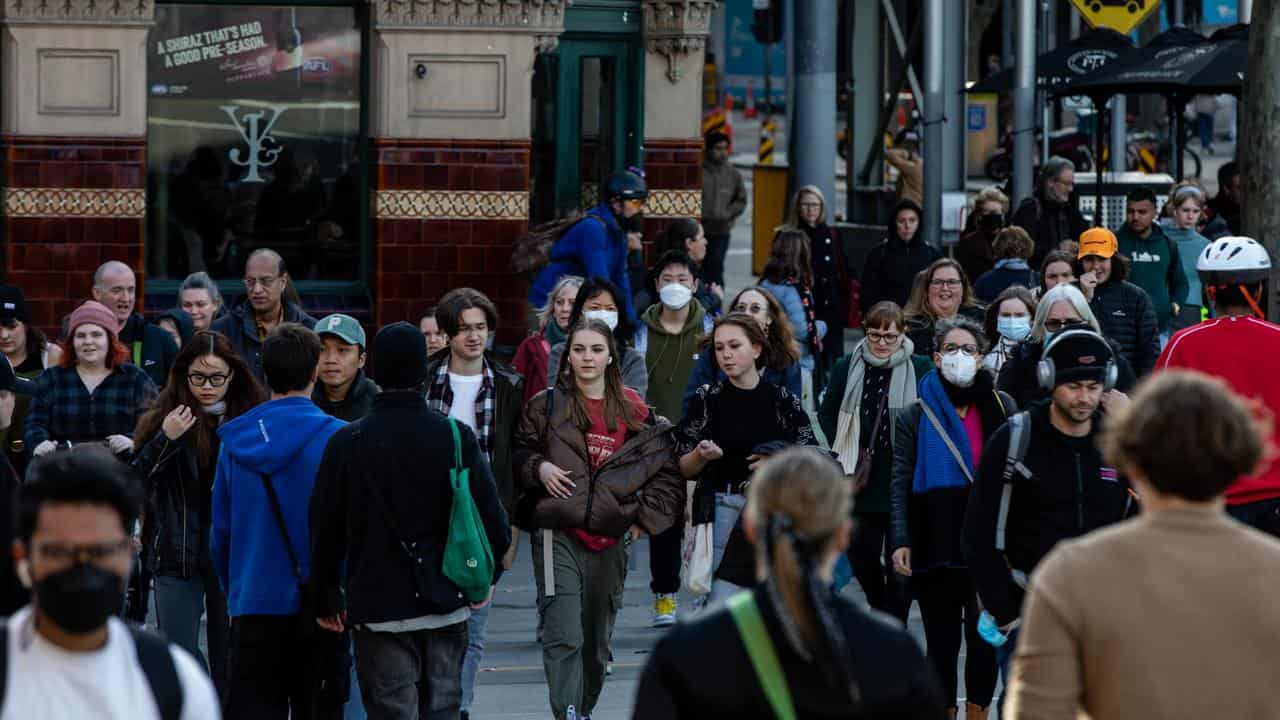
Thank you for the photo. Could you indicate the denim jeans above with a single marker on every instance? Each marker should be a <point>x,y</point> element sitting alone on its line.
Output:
<point>179,604</point>
<point>354,709</point>
<point>1004,658</point>
<point>411,674</point>
<point>728,508</point>
<point>476,627</point>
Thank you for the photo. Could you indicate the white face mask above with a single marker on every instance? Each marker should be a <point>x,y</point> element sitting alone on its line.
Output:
<point>675,295</point>
<point>608,317</point>
<point>959,369</point>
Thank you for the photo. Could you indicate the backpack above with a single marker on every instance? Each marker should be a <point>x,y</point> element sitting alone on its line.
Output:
<point>154,657</point>
<point>532,251</point>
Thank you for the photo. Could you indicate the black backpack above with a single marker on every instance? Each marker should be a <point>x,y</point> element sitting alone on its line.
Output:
<point>154,657</point>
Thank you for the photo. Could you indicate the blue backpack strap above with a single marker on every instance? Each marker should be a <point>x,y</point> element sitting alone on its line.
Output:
<point>157,664</point>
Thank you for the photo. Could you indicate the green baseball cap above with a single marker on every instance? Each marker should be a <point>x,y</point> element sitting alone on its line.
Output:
<point>344,327</point>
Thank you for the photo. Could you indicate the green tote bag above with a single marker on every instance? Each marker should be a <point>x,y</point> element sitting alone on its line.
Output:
<point>468,559</point>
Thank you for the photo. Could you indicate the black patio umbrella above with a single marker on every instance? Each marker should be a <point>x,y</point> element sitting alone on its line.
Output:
<point>1177,46</point>
<point>1207,67</point>
<point>1082,57</point>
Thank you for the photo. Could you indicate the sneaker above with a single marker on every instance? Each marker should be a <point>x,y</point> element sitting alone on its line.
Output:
<point>664,610</point>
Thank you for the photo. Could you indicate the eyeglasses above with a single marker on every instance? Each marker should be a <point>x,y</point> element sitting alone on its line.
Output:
<point>883,338</point>
<point>265,281</point>
<point>200,379</point>
<point>969,350</point>
<point>811,205</point>
<point>634,203</point>
<point>96,553</point>
<point>951,283</point>
<point>1056,325</point>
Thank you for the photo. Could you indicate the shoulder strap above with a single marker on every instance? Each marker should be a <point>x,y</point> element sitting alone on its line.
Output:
<point>746,616</point>
<point>1019,441</point>
<point>454,473</point>
<point>274,502</point>
<point>157,663</point>
<point>137,353</point>
<point>388,517</point>
<point>955,452</point>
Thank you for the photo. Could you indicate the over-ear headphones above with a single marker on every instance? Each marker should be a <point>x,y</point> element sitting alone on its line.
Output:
<point>1047,372</point>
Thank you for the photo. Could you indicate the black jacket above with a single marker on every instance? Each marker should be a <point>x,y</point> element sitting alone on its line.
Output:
<point>509,404</point>
<point>890,269</point>
<point>1048,224</point>
<point>241,329</point>
<point>830,276</point>
<point>150,348</point>
<point>355,405</point>
<point>930,524</point>
<point>1070,492</point>
<point>700,669</point>
<point>1018,374</point>
<point>13,595</point>
<point>180,495</point>
<point>1126,315</point>
<point>394,461</point>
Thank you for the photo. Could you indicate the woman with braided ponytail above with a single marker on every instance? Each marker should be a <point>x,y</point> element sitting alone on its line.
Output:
<point>791,648</point>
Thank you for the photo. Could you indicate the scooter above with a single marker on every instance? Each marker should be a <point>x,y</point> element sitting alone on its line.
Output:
<point>1069,143</point>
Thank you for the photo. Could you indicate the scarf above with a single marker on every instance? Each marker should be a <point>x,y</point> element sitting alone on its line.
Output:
<point>902,392</point>
<point>936,467</point>
<point>553,333</point>
<point>440,398</point>
<point>217,409</point>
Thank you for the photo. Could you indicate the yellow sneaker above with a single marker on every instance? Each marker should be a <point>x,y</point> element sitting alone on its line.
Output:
<point>664,610</point>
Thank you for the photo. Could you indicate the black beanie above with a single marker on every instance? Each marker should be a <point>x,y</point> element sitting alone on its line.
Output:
<point>1079,355</point>
<point>400,354</point>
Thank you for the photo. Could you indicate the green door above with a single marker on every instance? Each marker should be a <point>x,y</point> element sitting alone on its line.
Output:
<point>587,98</point>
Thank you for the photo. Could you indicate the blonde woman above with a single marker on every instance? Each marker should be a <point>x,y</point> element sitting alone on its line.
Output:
<point>531,358</point>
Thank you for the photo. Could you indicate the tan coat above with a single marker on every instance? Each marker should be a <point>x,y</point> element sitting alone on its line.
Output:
<point>1170,615</point>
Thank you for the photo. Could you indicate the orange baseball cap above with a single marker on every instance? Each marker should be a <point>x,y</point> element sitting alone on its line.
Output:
<point>1098,241</point>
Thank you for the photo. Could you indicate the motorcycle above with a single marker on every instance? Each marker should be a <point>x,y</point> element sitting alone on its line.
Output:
<point>1069,143</point>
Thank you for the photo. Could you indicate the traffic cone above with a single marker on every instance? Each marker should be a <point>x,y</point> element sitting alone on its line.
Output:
<point>749,109</point>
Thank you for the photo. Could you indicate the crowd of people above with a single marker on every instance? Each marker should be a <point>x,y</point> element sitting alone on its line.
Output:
<point>992,449</point>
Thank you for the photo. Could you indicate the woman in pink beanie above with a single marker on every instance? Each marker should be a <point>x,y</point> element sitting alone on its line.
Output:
<point>92,395</point>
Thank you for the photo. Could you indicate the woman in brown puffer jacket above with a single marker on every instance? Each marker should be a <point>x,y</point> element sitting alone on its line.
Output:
<point>595,467</point>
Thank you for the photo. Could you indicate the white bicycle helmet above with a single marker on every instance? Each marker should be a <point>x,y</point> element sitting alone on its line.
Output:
<point>1233,261</point>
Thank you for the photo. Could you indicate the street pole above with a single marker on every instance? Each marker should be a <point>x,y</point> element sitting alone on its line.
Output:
<point>1175,12</point>
<point>934,107</point>
<point>1119,134</point>
<point>1024,102</point>
<point>1260,164</point>
<point>955,67</point>
<point>867,59</point>
<point>812,140</point>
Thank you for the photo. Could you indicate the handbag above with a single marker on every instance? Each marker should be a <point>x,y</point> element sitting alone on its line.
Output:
<point>468,559</point>
<point>699,548</point>
<point>764,658</point>
<point>866,455</point>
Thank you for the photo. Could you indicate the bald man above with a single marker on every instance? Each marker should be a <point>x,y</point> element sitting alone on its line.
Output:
<point>263,309</point>
<point>150,347</point>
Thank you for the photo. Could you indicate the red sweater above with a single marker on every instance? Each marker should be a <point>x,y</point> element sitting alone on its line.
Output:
<point>1242,351</point>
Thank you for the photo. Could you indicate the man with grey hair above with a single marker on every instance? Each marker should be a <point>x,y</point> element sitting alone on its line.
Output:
<point>263,309</point>
<point>1050,216</point>
<point>150,347</point>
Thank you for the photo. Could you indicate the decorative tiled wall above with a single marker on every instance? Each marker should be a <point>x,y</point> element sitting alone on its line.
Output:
<point>446,213</point>
<point>70,204</point>
<point>673,170</point>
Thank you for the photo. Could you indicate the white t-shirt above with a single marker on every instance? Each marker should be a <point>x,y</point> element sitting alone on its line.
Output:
<point>47,682</point>
<point>465,390</point>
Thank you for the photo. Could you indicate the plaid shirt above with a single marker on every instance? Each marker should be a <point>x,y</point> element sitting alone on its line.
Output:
<point>440,397</point>
<point>62,409</point>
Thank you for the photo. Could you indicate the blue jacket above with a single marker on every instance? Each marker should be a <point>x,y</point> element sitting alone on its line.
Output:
<point>590,249</point>
<point>284,439</point>
<point>707,372</point>
<point>789,298</point>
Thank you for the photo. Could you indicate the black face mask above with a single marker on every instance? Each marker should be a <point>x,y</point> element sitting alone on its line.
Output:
<point>991,222</point>
<point>81,598</point>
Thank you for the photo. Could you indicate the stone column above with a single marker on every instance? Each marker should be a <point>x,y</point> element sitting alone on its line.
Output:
<point>675,35</point>
<point>451,103</point>
<point>73,130</point>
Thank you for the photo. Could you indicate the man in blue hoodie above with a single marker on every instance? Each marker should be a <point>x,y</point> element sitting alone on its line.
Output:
<point>597,245</point>
<point>261,545</point>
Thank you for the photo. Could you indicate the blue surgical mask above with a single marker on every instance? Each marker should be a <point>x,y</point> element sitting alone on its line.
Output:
<point>1014,328</point>
<point>990,631</point>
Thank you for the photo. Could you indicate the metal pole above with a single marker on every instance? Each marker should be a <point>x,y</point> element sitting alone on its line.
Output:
<point>895,28</point>
<point>1119,135</point>
<point>850,111</point>
<point>814,130</point>
<point>934,107</point>
<point>955,66</point>
<point>1175,12</point>
<point>1246,11</point>
<point>1024,102</point>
